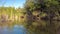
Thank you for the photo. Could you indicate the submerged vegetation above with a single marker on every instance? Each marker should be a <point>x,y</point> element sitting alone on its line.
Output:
<point>39,16</point>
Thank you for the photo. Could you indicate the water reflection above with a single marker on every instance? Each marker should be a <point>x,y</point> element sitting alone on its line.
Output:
<point>12,30</point>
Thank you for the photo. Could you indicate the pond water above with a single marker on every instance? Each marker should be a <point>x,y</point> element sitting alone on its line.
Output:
<point>13,30</point>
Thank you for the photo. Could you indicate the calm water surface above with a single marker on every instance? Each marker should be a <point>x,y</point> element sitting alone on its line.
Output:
<point>13,30</point>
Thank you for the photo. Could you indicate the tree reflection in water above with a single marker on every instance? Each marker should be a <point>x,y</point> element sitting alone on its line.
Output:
<point>14,29</point>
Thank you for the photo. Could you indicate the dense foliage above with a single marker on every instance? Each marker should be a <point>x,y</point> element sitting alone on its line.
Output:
<point>39,16</point>
<point>43,16</point>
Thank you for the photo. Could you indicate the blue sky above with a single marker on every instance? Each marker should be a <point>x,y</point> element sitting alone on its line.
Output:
<point>12,3</point>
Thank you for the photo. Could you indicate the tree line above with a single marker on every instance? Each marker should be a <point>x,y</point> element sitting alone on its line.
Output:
<point>40,16</point>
